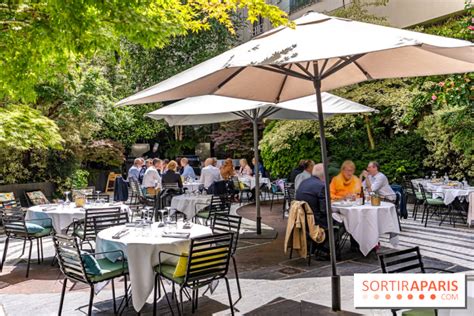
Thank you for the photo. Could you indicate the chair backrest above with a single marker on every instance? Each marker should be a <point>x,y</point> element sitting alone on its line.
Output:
<point>135,186</point>
<point>14,222</point>
<point>398,199</point>
<point>109,220</point>
<point>219,205</point>
<point>408,186</point>
<point>69,258</point>
<point>8,204</point>
<point>227,223</point>
<point>408,260</point>
<point>95,197</point>
<point>289,192</point>
<point>220,187</point>
<point>422,190</point>
<point>171,185</point>
<point>208,258</point>
<point>91,213</point>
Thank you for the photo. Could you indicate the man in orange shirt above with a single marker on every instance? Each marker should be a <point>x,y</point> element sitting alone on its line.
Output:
<point>345,184</point>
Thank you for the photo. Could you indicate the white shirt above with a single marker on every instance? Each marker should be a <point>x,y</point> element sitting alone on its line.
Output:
<point>209,174</point>
<point>379,183</point>
<point>151,179</point>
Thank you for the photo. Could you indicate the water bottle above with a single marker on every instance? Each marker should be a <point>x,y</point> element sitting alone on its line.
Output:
<point>446,178</point>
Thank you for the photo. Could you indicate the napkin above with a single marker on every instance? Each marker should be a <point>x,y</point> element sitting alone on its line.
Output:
<point>175,235</point>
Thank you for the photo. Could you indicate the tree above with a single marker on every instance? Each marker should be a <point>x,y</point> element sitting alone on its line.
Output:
<point>40,40</point>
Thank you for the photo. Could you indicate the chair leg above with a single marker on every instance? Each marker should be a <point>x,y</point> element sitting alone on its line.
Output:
<point>155,289</point>
<point>4,257</point>
<point>38,250</point>
<point>180,305</point>
<point>24,247</point>
<point>113,296</point>
<point>271,203</point>
<point>61,300</point>
<point>42,249</point>
<point>91,301</point>
<point>237,278</point>
<point>29,258</point>
<point>125,289</point>
<point>230,296</point>
<point>164,293</point>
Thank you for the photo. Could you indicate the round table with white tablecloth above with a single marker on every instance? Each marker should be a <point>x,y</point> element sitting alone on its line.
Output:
<point>366,223</point>
<point>190,204</point>
<point>63,215</point>
<point>250,181</point>
<point>141,247</point>
<point>192,186</point>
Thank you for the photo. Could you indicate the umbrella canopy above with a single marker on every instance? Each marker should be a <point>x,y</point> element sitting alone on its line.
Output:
<point>321,53</point>
<point>211,109</point>
<point>349,52</point>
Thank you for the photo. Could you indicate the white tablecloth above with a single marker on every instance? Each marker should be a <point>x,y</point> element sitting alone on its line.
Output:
<point>250,181</point>
<point>192,187</point>
<point>142,250</point>
<point>366,223</point>
<point>189,204</point>
<point>63,216</point>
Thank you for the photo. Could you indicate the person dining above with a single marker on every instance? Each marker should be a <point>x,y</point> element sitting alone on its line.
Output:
<point>134,170</point>
<point>345,184</point>
<point>151,179</point>
<point>188,171</point>
<point>259,168</point>
<point>245,169</point>
<point>171,177</point>
<point>376,181</point>
<point>307,170</point>
<point>227,169</point>
<point>209,174</point>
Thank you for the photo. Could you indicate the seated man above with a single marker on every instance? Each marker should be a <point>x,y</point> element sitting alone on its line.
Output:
<point>376,181</point>
<point>209,174</point>
<point>134,171</point>
<point>151,178</point>
<point>188,171</point>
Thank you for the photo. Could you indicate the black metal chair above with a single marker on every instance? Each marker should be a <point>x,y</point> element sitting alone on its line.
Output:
<point>94,197</point>
<point>397,202</point>
<point>405,261</point>
<point>78,266</point>
<point>229,223</point>
<point>289,196</point>
<point>276,192</point>
<point>16,227</point>
<point>109,220</point>
<point>220,204</point>
<point>415,194</point>
<point>207,261</point>
<point>436,205</point>
<point>84,229</point>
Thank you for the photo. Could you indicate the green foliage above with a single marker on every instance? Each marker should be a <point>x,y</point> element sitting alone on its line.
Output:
<point>79,179</point>
<point>358,10</point>
<point>23,128</point>
<point>103,153</point>
<point>40,40</point>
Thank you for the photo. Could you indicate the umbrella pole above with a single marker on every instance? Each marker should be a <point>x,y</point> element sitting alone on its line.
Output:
<point>257,174</point>
<point>335,278</point>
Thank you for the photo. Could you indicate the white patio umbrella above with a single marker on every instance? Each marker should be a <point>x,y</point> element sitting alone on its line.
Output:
<point>321,53</point>
<point>211,109</point>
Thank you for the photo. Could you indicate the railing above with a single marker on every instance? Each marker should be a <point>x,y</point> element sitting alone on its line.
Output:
<point>295,5</point>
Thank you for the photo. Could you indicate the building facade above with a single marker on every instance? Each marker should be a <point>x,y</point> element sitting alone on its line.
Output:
<point>399,13</point>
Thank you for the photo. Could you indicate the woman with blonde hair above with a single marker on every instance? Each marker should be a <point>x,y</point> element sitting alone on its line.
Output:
<point>227,169</point>
<point>345,184</point>
<point>171,176</point>
<point>245,169</point>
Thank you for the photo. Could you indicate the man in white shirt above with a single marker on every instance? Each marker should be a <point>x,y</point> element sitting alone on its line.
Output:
<point>152,179</point>
<point>209,173</point>
<point>308,169</point>
<point>376,181</point>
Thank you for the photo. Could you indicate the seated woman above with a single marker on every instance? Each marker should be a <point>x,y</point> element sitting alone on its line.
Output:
<point>245,169</point>
<point>345,184</point>
<point>227,169</point>
<point>171,176</point>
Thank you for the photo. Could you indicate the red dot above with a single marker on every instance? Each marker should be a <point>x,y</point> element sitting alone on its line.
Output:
<point>399,296</point>
<point>433,296</point>
<point>376,296</point>
<point>387,296</point>
<point>410,296</point>
<point>422,296</point>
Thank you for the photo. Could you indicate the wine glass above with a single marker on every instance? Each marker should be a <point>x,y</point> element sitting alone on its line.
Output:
<point>98,193</point>
<point>66,193</point>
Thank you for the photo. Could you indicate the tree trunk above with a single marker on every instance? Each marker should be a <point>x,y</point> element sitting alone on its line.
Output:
<point>369,132</point>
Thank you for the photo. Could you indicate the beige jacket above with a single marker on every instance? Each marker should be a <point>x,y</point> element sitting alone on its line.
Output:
<point>296,229</point>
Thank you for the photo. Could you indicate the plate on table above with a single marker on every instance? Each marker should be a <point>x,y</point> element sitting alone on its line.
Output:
<point>342,204</point>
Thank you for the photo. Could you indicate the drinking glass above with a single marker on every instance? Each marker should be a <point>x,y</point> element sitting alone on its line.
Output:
<point>66,193</point>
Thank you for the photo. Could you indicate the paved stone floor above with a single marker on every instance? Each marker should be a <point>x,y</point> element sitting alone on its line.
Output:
<point>272,283</point>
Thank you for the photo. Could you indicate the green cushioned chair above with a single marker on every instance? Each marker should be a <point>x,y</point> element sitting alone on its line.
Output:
<point>206,261</point>
<point>78,266</point>
<point>16,227</point>
<point>420,312</point>
<point>220,204</point>
<point>430,204</point>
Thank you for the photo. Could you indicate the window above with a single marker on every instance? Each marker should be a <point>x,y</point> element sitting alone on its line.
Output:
<point>295,5</point>
<point>257,27</point>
